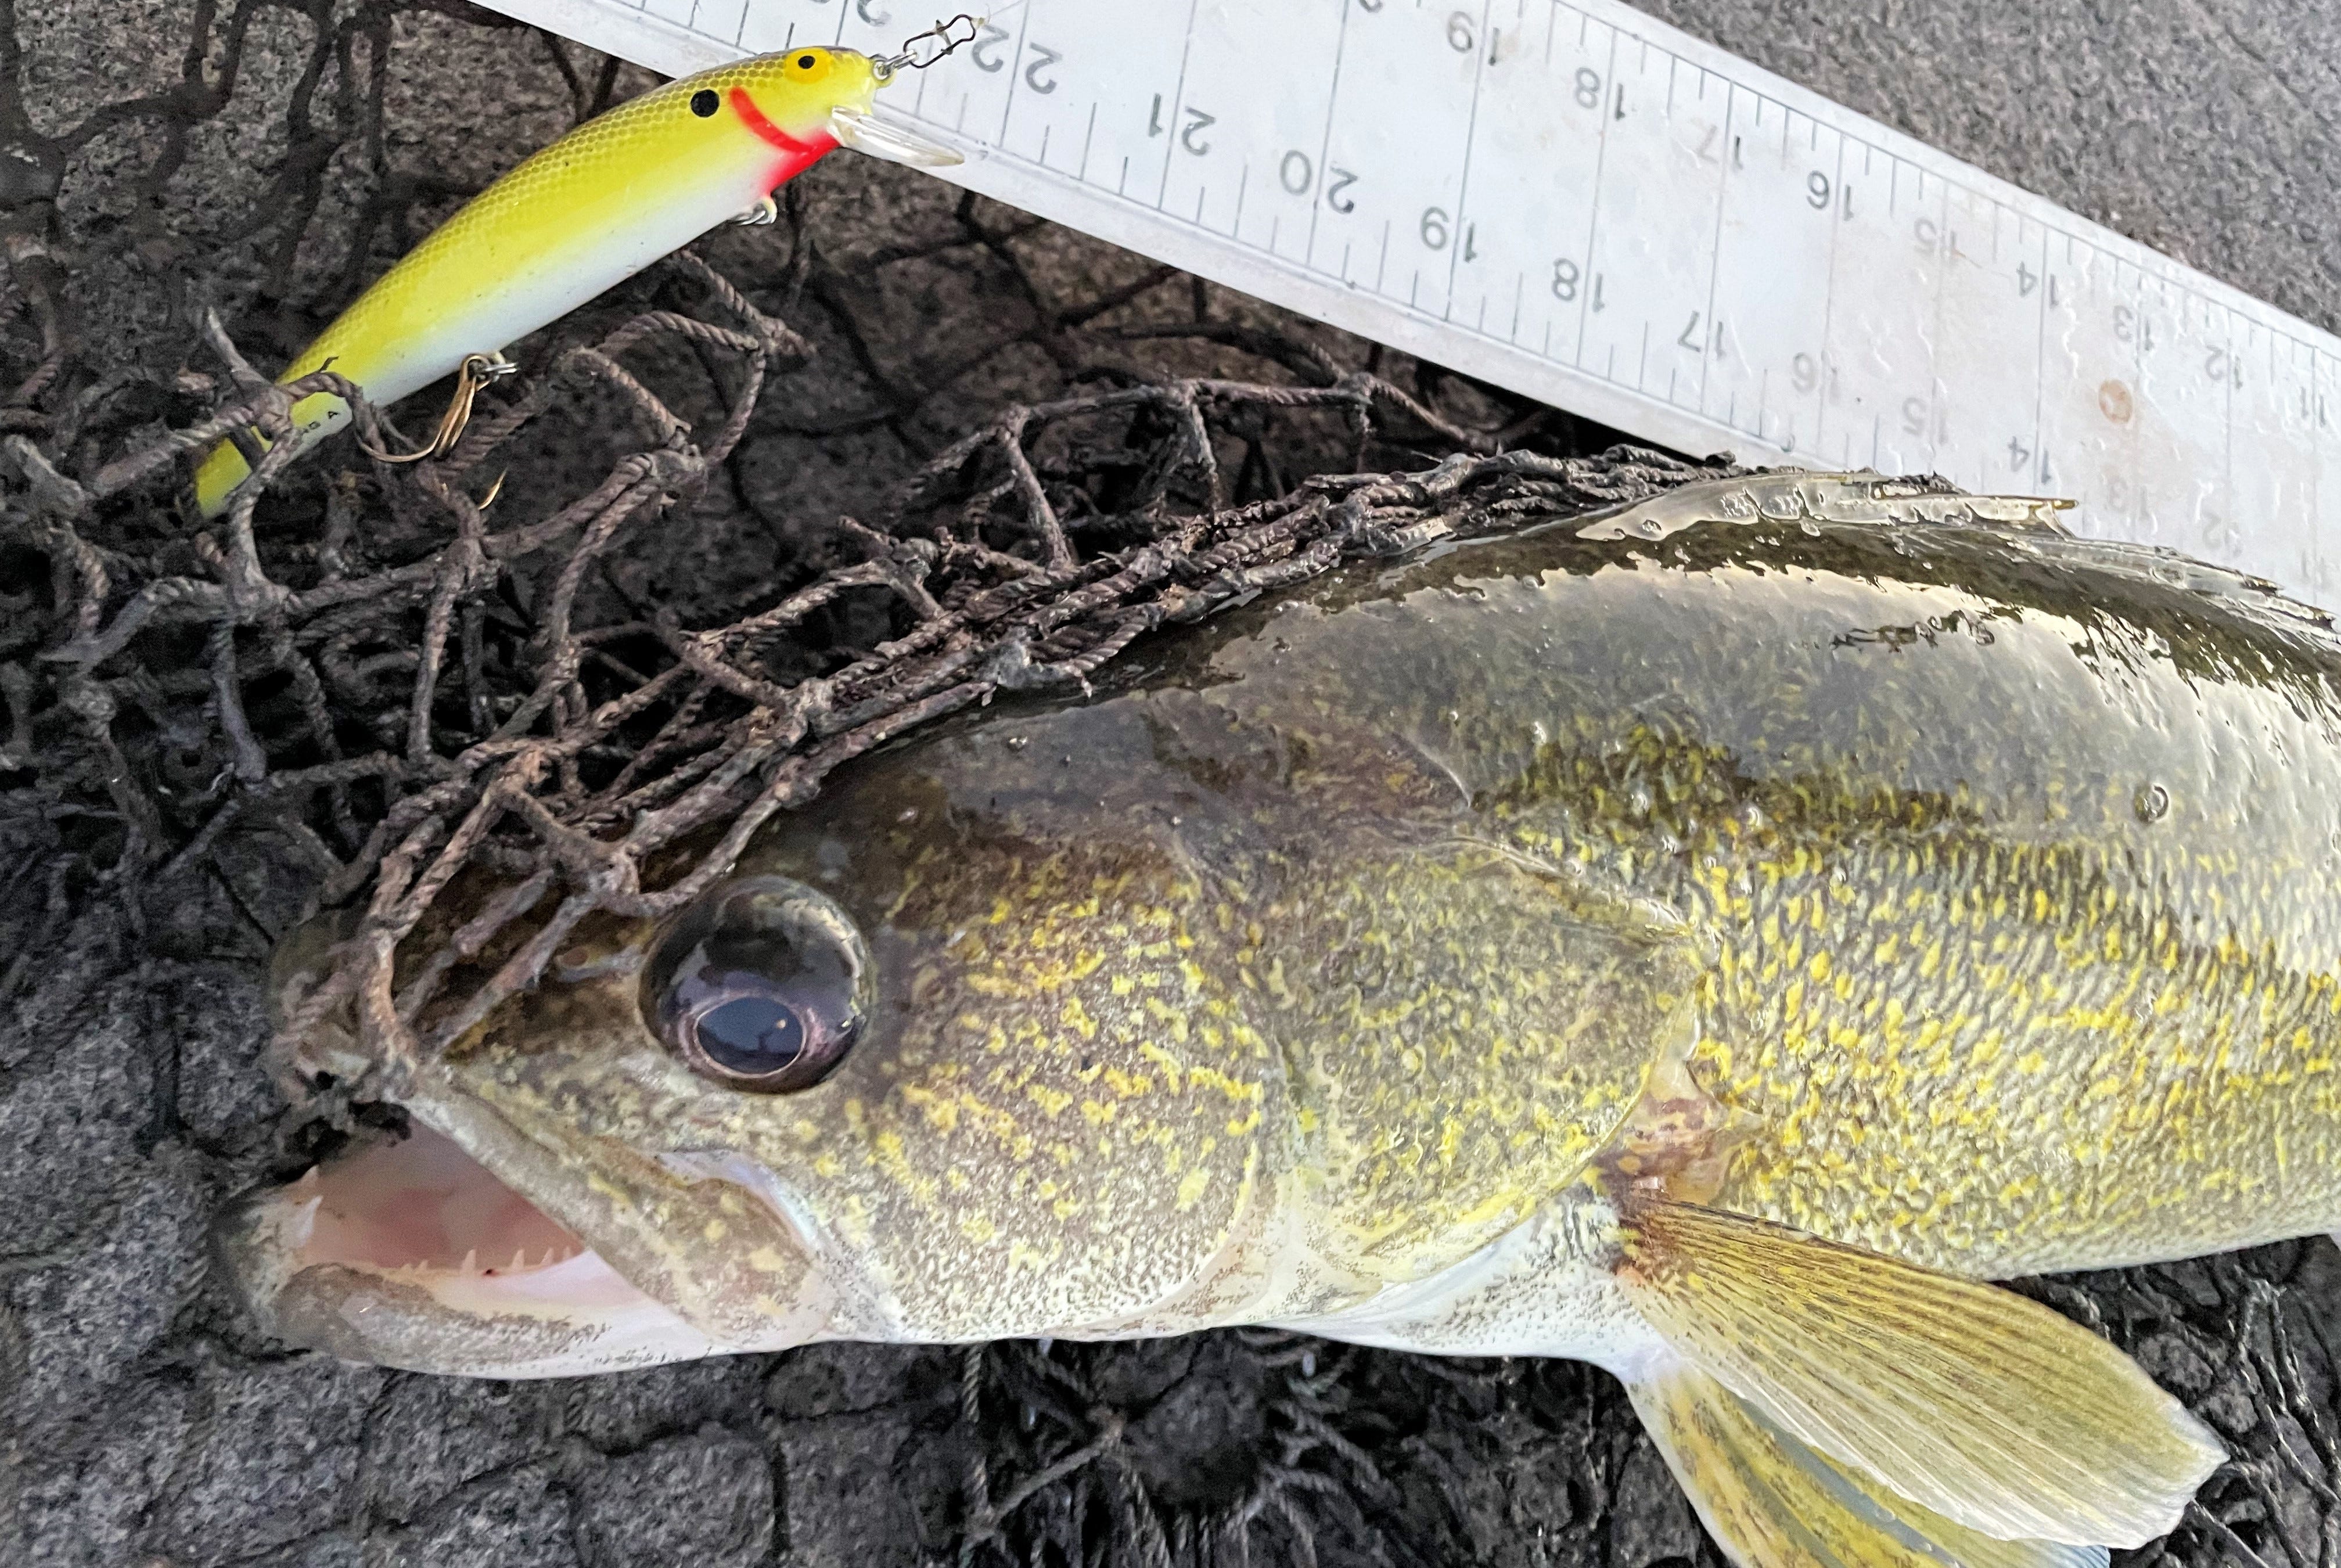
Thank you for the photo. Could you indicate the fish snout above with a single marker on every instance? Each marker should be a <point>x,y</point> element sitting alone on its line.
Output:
<point>411,1255</point>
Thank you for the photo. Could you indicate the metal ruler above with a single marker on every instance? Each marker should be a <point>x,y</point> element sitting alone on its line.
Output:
<point>1572,200</point>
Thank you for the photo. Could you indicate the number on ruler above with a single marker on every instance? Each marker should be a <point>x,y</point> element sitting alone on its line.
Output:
<point>1589,87</point>
<point>1460,34</point>
<point>1915,411</point>
<point>875,18</point>
<point>2134,326</point>
<point>1043,59</point>
<point>1699,342</point>
<point>1810,374</point>
<point>991,37</point>
<point>1337,188</point>
<point>1197,122</point>
<point>2221,366</point>
<point>1816,191</point>
<point>1437,232</point>
<point>1564,276</point>
<point>1297,173</point>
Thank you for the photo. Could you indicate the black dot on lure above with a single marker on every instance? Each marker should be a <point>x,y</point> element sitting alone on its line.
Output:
<point>703,102</point>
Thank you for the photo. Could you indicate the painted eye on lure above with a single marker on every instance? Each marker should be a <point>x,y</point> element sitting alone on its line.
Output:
<point>762,986</point>
<point>809,67</point>
<point>703,102</point>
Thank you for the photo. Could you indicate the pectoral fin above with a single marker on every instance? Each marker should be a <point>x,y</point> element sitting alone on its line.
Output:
<point>1970,1402</point>
<point>1773,1502</point>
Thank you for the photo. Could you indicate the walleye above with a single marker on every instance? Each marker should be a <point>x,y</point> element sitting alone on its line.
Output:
<point>1709,941</point>
<point>585,214</point>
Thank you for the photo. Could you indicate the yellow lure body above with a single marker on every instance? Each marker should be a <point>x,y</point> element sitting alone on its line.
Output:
<point>577,218</point>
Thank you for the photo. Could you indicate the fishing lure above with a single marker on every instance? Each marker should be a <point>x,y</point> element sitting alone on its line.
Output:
<point>589,212</point>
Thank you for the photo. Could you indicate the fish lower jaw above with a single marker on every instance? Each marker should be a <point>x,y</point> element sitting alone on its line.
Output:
<point>411,1255</point>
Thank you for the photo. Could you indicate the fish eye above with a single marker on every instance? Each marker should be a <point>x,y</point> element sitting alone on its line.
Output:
<point>763,984</point>
<point>703,102</point>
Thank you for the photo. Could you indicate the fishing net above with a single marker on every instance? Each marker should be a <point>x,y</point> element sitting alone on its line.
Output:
<point>785,498</point>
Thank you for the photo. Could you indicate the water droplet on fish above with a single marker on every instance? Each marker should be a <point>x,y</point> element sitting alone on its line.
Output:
<point>1027,1417</point>
<point>1810,527</point>
<point>2153,803</point>
<point>1309,1363</point>
<point>1045,1342</point>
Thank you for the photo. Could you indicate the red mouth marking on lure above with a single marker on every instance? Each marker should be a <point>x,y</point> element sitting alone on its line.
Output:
<point>819,144</point>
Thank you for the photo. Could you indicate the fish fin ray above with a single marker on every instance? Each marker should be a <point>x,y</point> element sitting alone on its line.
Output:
<point>1968,1400</point>
<point>1772,1501</point>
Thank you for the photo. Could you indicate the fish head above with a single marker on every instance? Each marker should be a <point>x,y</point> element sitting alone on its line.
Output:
<point>957,1051</point>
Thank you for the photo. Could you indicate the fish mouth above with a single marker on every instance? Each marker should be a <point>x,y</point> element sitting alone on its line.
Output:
<point>413,1255</point>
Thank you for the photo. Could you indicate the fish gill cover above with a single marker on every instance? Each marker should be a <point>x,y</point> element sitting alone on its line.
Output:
<point>936,452</point>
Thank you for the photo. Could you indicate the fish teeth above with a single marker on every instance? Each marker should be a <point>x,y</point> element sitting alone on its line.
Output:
<point>472,1262</point>
<point>519,1259</point>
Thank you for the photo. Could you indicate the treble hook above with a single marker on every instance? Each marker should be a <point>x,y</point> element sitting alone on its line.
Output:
<point>478,370</point>
<point>924,49</point>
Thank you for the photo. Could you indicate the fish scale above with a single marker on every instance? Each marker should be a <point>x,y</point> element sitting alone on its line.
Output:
<point>1896,1069</point>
